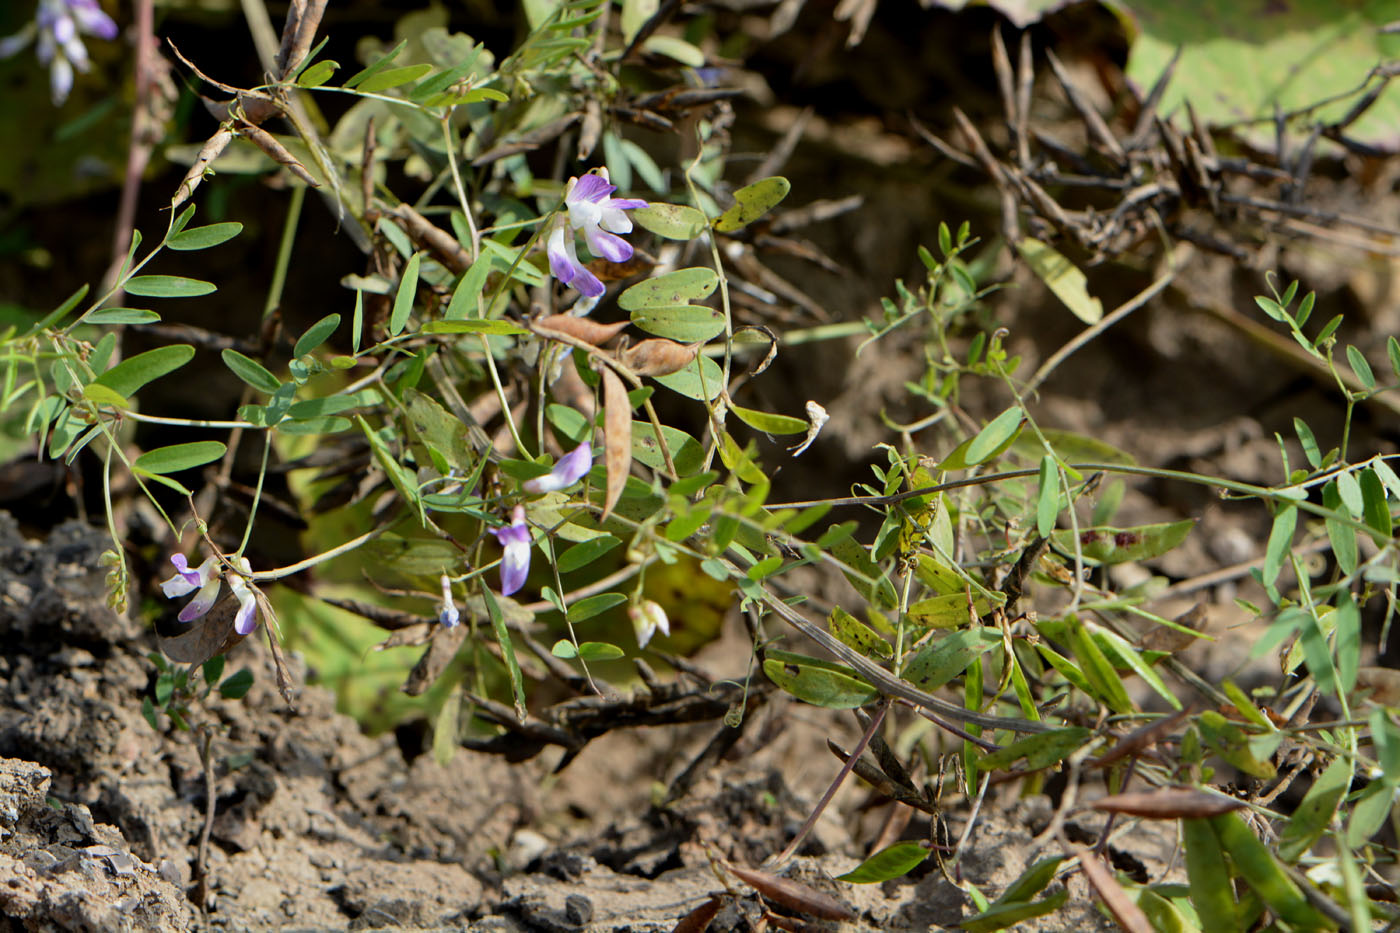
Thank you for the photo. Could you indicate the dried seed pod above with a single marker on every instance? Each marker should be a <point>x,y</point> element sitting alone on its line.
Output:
<point>210,151</point>
<point>617,418</point>
<point>659,357</point>
<point>274,148</point>
<point>579,328</point>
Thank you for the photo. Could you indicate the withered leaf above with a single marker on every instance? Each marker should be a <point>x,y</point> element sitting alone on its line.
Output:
<point>1168,803</point>
<point>579,328</point>
<point>442,648</point>
<point>1125,911</point>
<point>206,637</point>
<point>659,357</point>
<point>1165,638</point>
<point>1380,684</point>
<point>792,894</point>
<point>617,427</point>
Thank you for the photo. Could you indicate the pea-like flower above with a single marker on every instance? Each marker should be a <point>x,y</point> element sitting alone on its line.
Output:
<point>515,539</point>
<point>648,618</point>
<point>58,25</point>
<point>590,209</point>
<point>205,581</point>
<point>447,609</point>
<point>571,468</point>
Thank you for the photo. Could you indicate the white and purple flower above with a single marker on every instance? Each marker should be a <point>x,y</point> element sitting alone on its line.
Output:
<point>447,609</point>
<point>648,618</point>
<point>205,581</point>
<point>571,468</point>
<point>590,209</point>
<point>58,24</point>
<point>515,539</point>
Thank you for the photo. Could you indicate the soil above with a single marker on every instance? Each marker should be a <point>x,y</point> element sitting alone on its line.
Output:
<point>318,827</point>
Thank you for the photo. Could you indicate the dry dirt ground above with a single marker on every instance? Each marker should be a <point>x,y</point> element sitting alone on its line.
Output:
<point>318,827</point>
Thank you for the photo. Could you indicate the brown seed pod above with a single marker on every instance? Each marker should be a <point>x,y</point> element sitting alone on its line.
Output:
<point>658,357</point>
<point>579,328</point>
<point>1168,803</point>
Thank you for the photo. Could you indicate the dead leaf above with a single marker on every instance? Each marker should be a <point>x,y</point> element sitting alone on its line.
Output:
<point>441,650</point>
<point>1127,914</point>
<point>617,440</point>
<point>206,637</point>
<point>1165,638</point>
<point>1168,803</point>
<point>578,328</point>
<point>659,357</point>
<point>1380,684</point>
<point>792,894</point>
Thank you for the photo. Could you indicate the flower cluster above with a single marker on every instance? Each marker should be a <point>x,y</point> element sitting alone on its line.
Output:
<point>590,209</point>
<point>58,25</point>
<point>205,582</point>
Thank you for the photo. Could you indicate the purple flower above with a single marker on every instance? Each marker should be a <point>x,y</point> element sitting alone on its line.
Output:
<point>571,468</point>
<point>205,579</point>
<point>590,209</point>
<point>447,609</point>
<point>58,24</point>
<point>515,539</point>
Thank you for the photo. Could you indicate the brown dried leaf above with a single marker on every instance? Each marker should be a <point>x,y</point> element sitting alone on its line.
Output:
<point>617,428</point>
<point>206,637</point>
<point>579,328</point>
<point>1168,803</point>
<point>274,148</point>
<point>1127,914</point>
<point>698,920</point>
<point>659,357</point>
<point>441,650</point>
<point>792,894</point>
<point>1165,638</point>
<point>210,151</point>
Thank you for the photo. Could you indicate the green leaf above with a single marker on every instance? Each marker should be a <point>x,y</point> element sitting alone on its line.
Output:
<point>682,323</point>
<point>237,685</point>
<point>393,77</point>
<point>1340,534</point>
<point>1256,864</point>
<point>1374,508</point>
<point>751,202</point>
<point>497,328</point>
<point>585,553</point>
<point>1063,278</point>
<point>1108,545</point>
<point>1000,916</point>
<point>57,314</point>
<point>168,286</point>
<point>994,438</point>
<point>134,372</point>
<point>403,299</point>
<point>949,611</point>
<point>686,452</point>
<point>122,316</point>
<point>96,392</point>
<point>938,662</point>
<point>498,622</point>
<point>179,457</point>
<point>590,606</point>
<point>674,288</point>
<point>1349,490</point>
<point>1369,812</point>
<point>768,422</point>
<point>1125,655</point>
<point>858,635</point>
<point>318,74</point>
<point>1314,814</point>
<point>204,237</point>
<point>316,335</point>
<point>599,651</point>
<point>821,683</point>
<point>1107,685</point>
<point>1040,751</point>
<point>691,384</point>
<point>1309,442</point>
<point>563,648</point>
<point>894,861</point>
<point>1280,542</point>
<point>376,66</point>
<point>1211,891</point>
<point>250,371</point>
<point>1231,743</point>
<point>670,221</point>
<point>1392,350</point>
<point>676,48</point>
